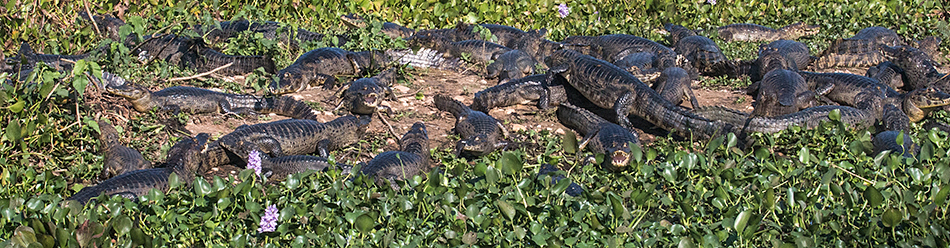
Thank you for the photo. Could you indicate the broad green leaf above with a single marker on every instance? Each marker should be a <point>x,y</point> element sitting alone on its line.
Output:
<point>835,115</point>
<point>202,187</point>
<point>17,107</point>
<point>941,197</point>
<point>742,219</point>
<point>511,164</point>
<point>122,224</point>
<point>803,155</point>
<point>365,223</point>
<point>713,144</point>
<point>505,208</point>
<point>892,217</point>
<point>13,132</point>
<point>873,196</point>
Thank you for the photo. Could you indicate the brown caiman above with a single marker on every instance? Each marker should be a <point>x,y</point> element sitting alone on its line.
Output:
<point>795,53</point>
<point>615,47</point>
<point>888,74</point>
<point>286,137</point>
<point>198,100</point>
<point>601,136</point>
<point>240,65</point>
<point>522,91</point>
<point>411,159</point>
<point>184,158</point>
<point>556,176</point>
<point>870,95</point>
<point>321,65</point>
<point>754,32</point>
<point>117,158</point>
<point>700,52</point>
<point>481,134</point>
<point>510,65</point>
<point>862,49</point>
<point>675,85</point>
<point>364,96</point>
<point>782,92</point>
<point>608,86</point>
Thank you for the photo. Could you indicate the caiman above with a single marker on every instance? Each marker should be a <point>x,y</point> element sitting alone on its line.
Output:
<point>615,47</point>
<point>281,167</point>
<point>919,70</point>
<point>601,136</point>
<point>117,158</point>
<point>26,59</point>
<point>640,65</point>
<point>411,159</point>
<point>184,158</point>
<point>888,74</point>
<point>675,85</point>
<point>806,118</point>
<point>931,46</point>
<point>510,65</point>
<point>795,53</point>
<point>782,92</point>
<point>522,91</point>
<point>198,100</point>
<point>426,58</point>
<point>862,49</point>
<point>608,86</point>
<point>700,52</point>
<point>177,50</point>
<point>887,141</point>
<point>481,134</point>
<point>284,138</point>
<point>240,65</point>
<point>754,32</point>
<point>316,67</point>
<point>870,95</point>
<point>478,52</point>
<point>556,176</point>
<point>106,25</point>
<point>364,96</point>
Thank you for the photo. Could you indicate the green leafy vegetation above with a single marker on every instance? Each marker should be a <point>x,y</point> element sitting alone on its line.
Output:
<point>807,188</point>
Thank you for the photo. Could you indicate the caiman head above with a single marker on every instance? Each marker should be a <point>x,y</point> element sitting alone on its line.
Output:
<point>800,29</point>
<point>186,156</point>
<point>918,103</point>
<point>368,94</point>
<point>416,140</point>
<point>292,80</point>
<point>139,96</point>
<point>616,153</point>
<point>478,145</point>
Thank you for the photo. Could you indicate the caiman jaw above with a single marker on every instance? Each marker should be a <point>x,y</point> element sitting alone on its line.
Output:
<point>920,102</point>
<point>370,99</point>
<point>619,159</point>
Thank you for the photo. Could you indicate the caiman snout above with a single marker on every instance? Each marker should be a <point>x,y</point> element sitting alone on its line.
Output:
<point>370,99</point>
<point>619,160</point>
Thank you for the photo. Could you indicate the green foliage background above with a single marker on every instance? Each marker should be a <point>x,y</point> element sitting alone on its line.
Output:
<point>797,188</point>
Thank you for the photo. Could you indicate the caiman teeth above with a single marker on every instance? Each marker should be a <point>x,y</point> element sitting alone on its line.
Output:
<point>619,159</point>
<point>371,98</point>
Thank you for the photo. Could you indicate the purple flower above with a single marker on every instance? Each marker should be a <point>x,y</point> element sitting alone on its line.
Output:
<point>254,161</point>
<point>269,220</point>
<point>713,2</point>
<point>563,10</point>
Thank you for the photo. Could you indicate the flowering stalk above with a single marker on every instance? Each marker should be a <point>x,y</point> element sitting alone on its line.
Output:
<point>269,220</point>
<point>254,161</point>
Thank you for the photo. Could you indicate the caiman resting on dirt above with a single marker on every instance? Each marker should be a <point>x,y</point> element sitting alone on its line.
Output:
<point>481,134</point>
<point>610,87</point>
<point>198,100</point>
<point>240,65</point>
<point>321,65</point>
<point>510,65</point>
<point>364,96</point>
<point>117,158</point>
<point>616,47</point>
<point>675,85</point>
<point>782,92</point>
<point>411,159</point>
<point>601,136</point>
<point>754,32</point>
<point>522,91</point>
<point>184,158</point>
<point>286,137</point>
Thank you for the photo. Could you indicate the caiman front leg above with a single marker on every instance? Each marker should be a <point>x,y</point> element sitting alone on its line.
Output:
<point>623,107</point>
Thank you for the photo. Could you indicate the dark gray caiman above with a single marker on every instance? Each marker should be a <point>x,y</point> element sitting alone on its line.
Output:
<point>240,65</point>
<point>510,65</point>
<point>106,25</point>
<point>364,96</point>
<point>931,46</point>
<point>754,32</point>
<point>184,158</point>
<point>550,170</point>
<point>177,50</point>
<point>700,52</point>
<point>481,134</point>
<point>675,85</point>
<point>782,92</point>
<point>862,49</point>
<point>806,118</point>
<point>26,60</point>
<point>117,158</point>
<point>411,159</point>
<point>198,100</point>
<point>281,167</point>
<point>321,65</point>
<point>601,136</point>
<point>795,53</point>
<point>478,52</point>
<point>919,70</point>
<point>887,141</point>
<point>870,95</point>
<point>615,47</point>
<point>888,74</point>
<point>608,86</point>
<point>522,91</point>
<point>269,29</point>
<point>286,137</point>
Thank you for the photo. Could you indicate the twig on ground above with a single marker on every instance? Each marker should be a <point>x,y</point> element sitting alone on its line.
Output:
<point>391,130</point>
<point>202,74</point>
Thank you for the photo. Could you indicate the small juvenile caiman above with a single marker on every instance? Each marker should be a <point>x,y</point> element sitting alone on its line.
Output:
<point>522,91</point>
<point>198,100</point>
<point>481,134</point>
<point>754,32</point>
<point>608,86</point>
<point>240,65</point>
<point>184,158</point>
<point>117,158</point>
<point>364,96</point>
<point>411,159</point>
<point>321,65</point>
<point>601,136</point>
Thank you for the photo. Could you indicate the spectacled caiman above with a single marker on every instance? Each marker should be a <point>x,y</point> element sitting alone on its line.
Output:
<point>269,29</point>
<point>700,52</point>
<point>364,96</point>
<point>198,100</point>
<point>281,167</point>
<point>321,65</point>
<point>26,59</point>
<point>550,170</point>
<point>615,47</point>
<point>481,134</point>
<point>184,158</point>
<point>675,85</point>
<point>117,158</point>
<point>862,49</point>
<point>754,32</point>
<point>931,46</point>
<point>240,65</point>
<point>510,65</point>
<point>410,160</point>
<point>390,29</point>
<point>601,136</point>
<point>919,70</point>
<point>608,86</point>
<point>782,92</point>
<point>285,137</point>
<point>870,95</point>
<point>522,91</point>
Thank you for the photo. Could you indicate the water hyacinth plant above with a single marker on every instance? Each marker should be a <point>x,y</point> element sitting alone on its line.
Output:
<point>269,220</point>
<point>254,161</point>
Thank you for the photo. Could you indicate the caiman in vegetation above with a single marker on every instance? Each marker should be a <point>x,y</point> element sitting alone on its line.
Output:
<point>106,25</point>
<point>281,167</point>
<point>918,70</point>
<point>522,91</point>
<point>198,100</point>
<point>601,136</point>
<point>887,141</point>
<point>184,158</point>
<point>782,92</point>
<point>286,137</point>
<point>26,59</point>
<point>868,94</point>
<point>615,47</point>
<point>270,30</point>
<point>240,65</point>
<point>390,29</point>
<point>675,85</point>
<point>481,134</point>
<point>754,32</point>
<point>888,74</point>
<point>510,65</point>
<point>364,96</point>
<point>411,159</point>
<point>177,50</point>
<point>556,176</point>
<point>117,158</point>
<point>806,118</point>
<point>701,53</point>
<point>931,46</point>
<point>862,49</point>
<point>608,86</point>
